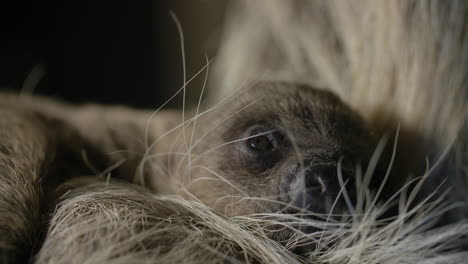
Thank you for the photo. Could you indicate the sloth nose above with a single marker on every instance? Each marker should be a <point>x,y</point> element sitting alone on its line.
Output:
<point>317,189</point>
<point>322,179</point>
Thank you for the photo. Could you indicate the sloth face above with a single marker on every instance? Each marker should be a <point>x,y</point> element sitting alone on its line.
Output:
<point>277,148</point>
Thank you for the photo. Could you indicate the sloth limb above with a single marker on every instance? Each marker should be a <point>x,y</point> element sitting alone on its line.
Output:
<point>44,143</point>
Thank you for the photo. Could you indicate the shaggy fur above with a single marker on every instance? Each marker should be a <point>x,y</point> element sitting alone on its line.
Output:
<point>396,62</point>
<point>207,158</point>
<point>399,63</point>
<point>112,223</point>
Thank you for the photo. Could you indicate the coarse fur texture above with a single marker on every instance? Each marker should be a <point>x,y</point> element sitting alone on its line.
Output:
<point>279,150</point>
<point>395,62</point>
<point>399,63</point>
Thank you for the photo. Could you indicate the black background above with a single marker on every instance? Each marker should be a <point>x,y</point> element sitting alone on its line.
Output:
<point>112,52</point>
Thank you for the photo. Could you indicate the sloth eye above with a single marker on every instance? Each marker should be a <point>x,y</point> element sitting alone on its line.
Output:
<point>262,148</point>
<point>261,143</point>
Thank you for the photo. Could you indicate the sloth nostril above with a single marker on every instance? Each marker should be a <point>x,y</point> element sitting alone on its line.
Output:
<point>317,188</point>
<point>315,183</point>
<point>319,178</point>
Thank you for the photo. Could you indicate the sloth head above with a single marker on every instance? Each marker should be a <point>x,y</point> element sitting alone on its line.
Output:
<point>277,147</point>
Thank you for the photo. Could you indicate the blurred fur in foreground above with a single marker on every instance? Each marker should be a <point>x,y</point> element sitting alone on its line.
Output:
<point>112,223</point>
<point>393,61</point>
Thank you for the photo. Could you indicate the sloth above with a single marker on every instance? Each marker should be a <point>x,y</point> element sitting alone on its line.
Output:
<point>283,142</point>
<point>273,148</point>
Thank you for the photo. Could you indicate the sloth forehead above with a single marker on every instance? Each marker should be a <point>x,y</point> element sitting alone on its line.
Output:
<point>290,100</point>
<point>291,107</point>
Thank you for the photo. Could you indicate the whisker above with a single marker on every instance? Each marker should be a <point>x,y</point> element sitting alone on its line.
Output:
<point>148,122</point>
<point>220,177</point>
<point>196,115</point>
<point>225,119</point>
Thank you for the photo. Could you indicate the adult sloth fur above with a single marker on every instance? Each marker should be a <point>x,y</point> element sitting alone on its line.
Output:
<point>395,62</point>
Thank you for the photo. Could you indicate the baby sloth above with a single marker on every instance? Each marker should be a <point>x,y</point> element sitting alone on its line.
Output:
<point>276,148</point>
<point>272,148</point>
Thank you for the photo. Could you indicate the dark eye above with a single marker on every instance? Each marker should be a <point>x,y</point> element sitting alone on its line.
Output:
<point>263,148</point>
<point>262,140</point>
<point>261,143</point>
